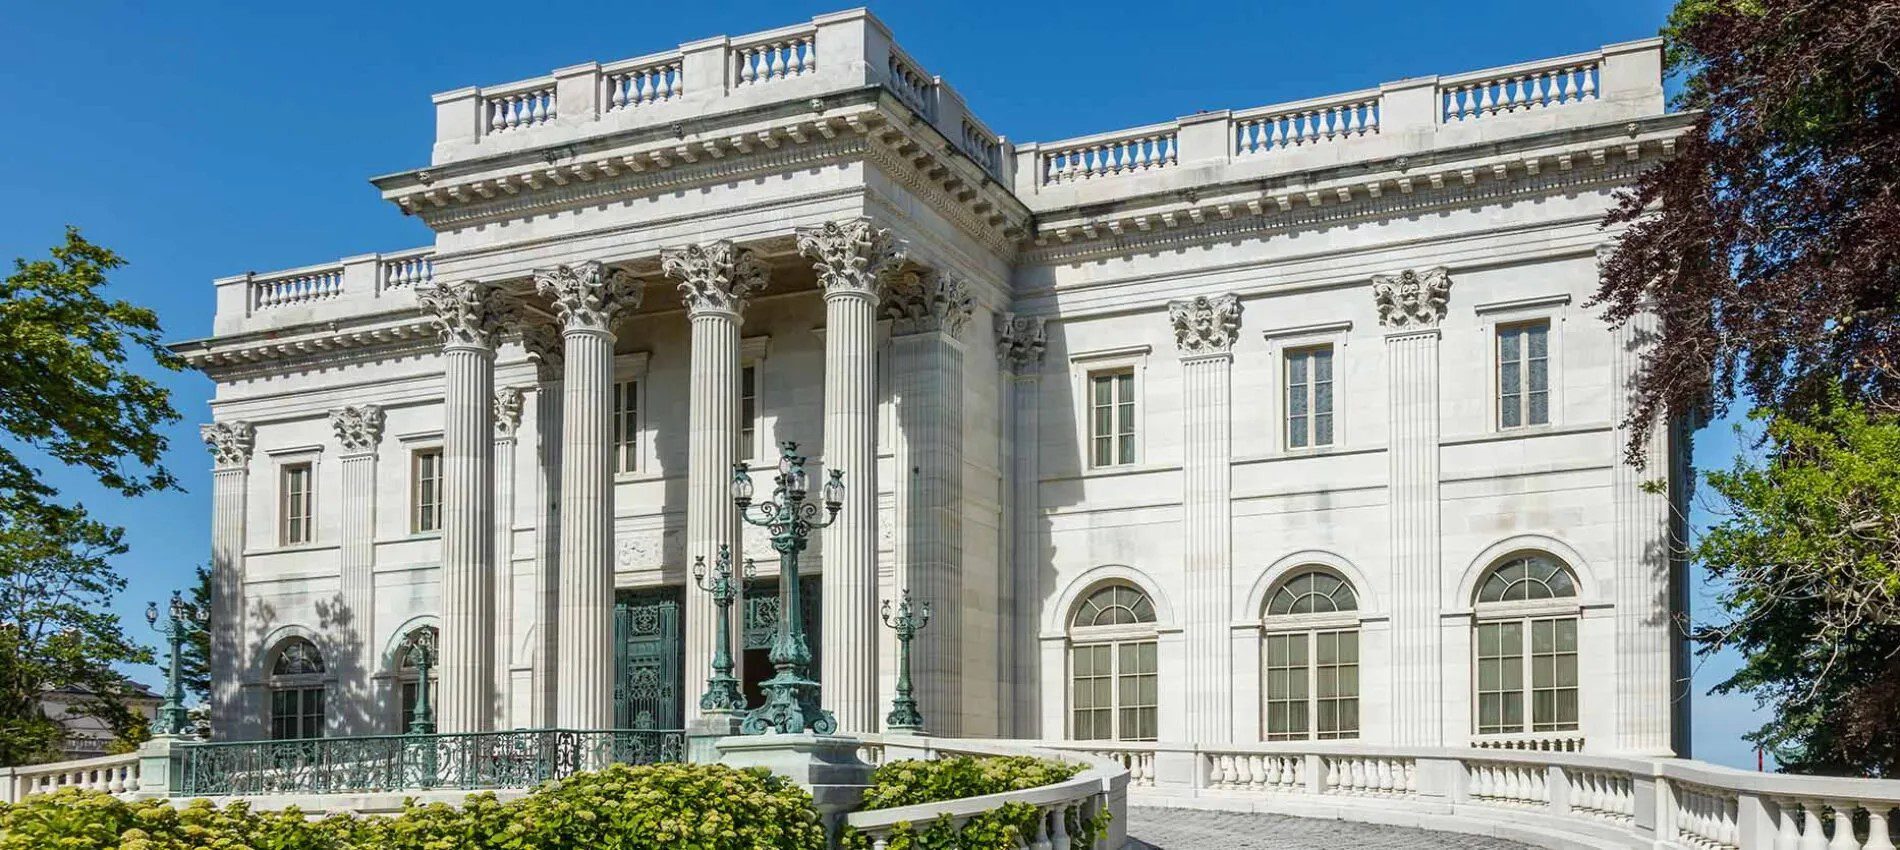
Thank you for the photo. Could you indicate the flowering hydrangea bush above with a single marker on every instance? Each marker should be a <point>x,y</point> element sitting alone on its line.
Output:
<point>910,783</point>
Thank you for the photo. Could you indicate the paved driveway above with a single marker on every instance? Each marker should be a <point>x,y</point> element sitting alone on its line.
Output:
<point>1187,829</point>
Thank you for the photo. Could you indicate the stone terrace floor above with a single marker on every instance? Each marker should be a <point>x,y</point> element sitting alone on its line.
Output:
<point>1188,829</point>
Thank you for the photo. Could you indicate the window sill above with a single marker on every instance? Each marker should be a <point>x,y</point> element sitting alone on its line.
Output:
<point>291,549</point>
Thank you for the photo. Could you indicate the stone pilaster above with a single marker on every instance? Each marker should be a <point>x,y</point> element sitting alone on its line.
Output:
<point>508,404</point>
<point>359,430</point>
<point>231,644</point>
<point>1204,333</point>
<point>1644,642</point>
<point>927,310</point>
<point>543,344</point>
<point>469,316</point>
<point>589,297</point>
<point>851,257</point>
<point>1019,346</point>
<point>715,281</point>
<point>1411,305</point>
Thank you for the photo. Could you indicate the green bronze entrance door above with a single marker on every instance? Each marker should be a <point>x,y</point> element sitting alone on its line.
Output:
<point>647,660</point>
<point>761,623</point>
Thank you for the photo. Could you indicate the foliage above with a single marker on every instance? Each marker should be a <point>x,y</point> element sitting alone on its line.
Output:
<point>1769,246</point>
<point>1809,559</point>
<point>194,663</point>
<point>910,783</point>
<point>680,807</point>
<point>57,629</point>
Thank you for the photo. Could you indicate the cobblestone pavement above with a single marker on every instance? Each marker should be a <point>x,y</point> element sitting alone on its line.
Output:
<point>1187,829</point>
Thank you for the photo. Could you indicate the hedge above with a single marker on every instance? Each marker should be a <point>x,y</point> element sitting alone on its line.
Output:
<point>910,783</point>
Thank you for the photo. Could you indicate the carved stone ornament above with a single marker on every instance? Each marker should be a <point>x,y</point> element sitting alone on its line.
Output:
<point>470,313</point>
<point>1204,325</point>
<point>590,295</point>
<point>545,348</point>
<point>1020,341</point>
<point>358,428</point>
<point>851,255</point>
<point>230,442</point>
<point>1412,299</point>
<point>633,552</point>
<point>715,276</point>
<point>921,300</point>
<point>507,411</point>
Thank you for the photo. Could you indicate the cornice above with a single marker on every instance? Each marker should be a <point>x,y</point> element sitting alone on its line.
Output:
<point>238,357</point>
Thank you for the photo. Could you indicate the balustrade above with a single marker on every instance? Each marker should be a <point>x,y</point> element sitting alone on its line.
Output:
<point>519,109</point>
<point>1520,89</point>
<point>112,774</point>
<point>408,272</point>
<point>774,59</point>
<point>630,86</point>
<point>1808,823</point>
<point>1277,128</point>
<point>302,288</point>
<point>1603,794</point>
<point>912,85</point>
<point>1141,150</point>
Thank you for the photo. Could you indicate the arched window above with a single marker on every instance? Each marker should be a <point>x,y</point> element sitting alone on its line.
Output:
<point>1112,666</point>
<point>1310,659</point>
<point>409,678</point>
<point>296,691</point>
<point>1525,647</point>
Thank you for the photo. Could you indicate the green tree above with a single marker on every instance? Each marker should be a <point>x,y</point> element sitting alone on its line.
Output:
<point>56,626</point>
<point>194,662</point>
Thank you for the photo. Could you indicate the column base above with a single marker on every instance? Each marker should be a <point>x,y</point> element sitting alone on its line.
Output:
<point>828,766</point>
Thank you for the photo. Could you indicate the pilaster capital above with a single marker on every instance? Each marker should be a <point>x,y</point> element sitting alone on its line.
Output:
<point>919,300</point>
<point>589,296</point>
<point>230,442</point>
<point>715,276</point>
<point>851,255</point>
<point>471,313</point>
<point>507,411</point>
<point>358,428</point>
<point>1204,325</point>
<point>1020,341</point>
<point>1412,299</point>
<point>542,341</point>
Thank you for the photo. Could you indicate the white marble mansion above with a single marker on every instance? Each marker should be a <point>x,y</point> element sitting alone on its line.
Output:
<point>1278,423</point>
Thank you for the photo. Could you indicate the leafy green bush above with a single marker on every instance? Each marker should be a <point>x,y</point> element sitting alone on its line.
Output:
<point>910,783</point>
<point>673,806</point>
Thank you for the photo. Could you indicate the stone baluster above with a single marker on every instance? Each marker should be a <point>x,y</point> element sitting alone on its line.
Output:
<point>716,279</point>
<point>469,316</point>
<point>1204,333</point>
<point>1019,346</point>
<point>359,430</point>
<point>852,258</point>
<point>230,444</point>
<point>588,297</point>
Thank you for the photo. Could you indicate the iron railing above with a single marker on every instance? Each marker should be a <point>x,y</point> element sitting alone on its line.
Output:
<point>520,758</point>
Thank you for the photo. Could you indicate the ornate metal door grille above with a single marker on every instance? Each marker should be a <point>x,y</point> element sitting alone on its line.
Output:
<point>647,660</point>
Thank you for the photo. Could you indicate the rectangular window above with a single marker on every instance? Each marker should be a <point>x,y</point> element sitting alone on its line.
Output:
<point>1112,418</point>
<point>1312,685</point>
<point>1287,675</point>
<point>425,497</point>
<point>1500,678</point>
<point>1524,375</point>
<point>296,713</point>
<point>1336,684</point>
<point>1093,698</point>
<point>626,426</point>
<point>1553,674</point>
<point>295,507</point>
<point>1309,397</point>
<point>1139,691</point>
<point>748,446</point>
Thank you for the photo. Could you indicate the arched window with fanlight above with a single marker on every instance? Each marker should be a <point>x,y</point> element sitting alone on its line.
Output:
<point>1525,646</point>
<point>408,674</point>
<point>296,691</point>
<point>1310,658</point>
<point>1112,666</point>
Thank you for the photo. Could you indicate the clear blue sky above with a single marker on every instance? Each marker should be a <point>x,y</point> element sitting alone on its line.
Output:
<point>201,140</point>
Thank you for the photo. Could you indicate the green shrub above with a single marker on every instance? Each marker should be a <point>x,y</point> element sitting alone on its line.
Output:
<point>673,806</point>
<point>910,783</point>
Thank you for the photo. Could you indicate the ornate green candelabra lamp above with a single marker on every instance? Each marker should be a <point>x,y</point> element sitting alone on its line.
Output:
<point>422,654</point>
<point>906,622</point>
<point>791,697</point>
<point>180,619</point>
<point>722,689</point>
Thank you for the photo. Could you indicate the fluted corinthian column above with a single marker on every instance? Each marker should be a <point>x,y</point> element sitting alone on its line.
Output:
<point>1204,333</point>
<point>851,257</point>
<point>1019,345</point>
<point>589,297</point>
<point>230,444</point>
<point>1644,644</point>
<point>543,344</point>
<point>508,402</point>
<point>469,316</point>
<point>715,281</point>
<point>359,430</point>
<point>927,310</point>
<point>1411,304</point>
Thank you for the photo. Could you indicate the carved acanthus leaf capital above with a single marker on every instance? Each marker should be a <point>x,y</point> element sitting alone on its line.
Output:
<point>852,255</point>
<point>589,295</point>
<point>543,343</point>
<point>1204,325</point>
<point>1020,341</point>
<point>230,442</point>
<point>470,313</point>
<point>919,300</point>
<point>715,276</point>
<point>358,428</point>
<point>507,411</point>
<point>1412,299</point>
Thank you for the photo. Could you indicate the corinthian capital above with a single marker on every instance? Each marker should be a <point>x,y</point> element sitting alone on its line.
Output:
<point>358,428</point>
<point>470,313</point>
<point>1020,341</point>
<point>590,295</point>
<point>230,442</point>
<point>1204,325</point>
<point>714,276</point>
<point>925,301</point>
<point>543,344</point>
<point>1411,298</point>
<point>851,255</point>
<point>507,411</point>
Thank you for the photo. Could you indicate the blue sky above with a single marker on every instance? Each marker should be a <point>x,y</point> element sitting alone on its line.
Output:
<point>203,139</point>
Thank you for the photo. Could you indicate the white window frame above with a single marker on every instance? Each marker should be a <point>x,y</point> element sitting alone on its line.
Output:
<point>1082,368</point>
<point>752,355</point>
<point>1493,317</point>
<point>302,683</point>
<point>1310,626</point>
<point>1282,342</point>
<point>282,460</point>
<point>1525,613</point>
<point>632,367</point>
<point>415,490</point>
<point>1114,637</point>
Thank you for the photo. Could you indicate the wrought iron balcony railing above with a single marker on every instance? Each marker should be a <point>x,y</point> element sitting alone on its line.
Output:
<point>520,758</point>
